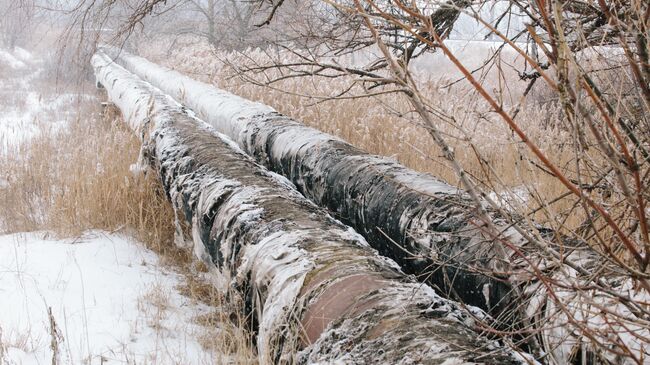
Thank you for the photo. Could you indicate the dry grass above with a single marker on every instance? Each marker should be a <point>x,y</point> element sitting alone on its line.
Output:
<point>228,331</point>
<point>497,160</point>
<point>71,179</point>
<point>75,176</point>
<point>386,125</point>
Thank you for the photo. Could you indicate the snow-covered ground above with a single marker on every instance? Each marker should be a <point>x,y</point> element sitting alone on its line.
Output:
<point>25,104</point>
<point>97,299</point>
<point>15,59</point>
<point>109,297</point>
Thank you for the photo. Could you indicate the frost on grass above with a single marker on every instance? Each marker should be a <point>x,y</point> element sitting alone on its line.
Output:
<point>316,292</point>
<point>109,297</point>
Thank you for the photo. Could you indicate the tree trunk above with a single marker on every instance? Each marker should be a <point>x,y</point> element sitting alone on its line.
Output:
<point>317,291</point>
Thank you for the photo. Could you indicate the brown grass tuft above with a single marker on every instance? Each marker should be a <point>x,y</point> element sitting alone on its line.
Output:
<point>386,125</point>
<point>76,177</point>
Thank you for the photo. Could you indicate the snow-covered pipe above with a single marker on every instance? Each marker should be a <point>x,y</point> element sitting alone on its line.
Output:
<point>427,226</point>
<point>317,291</point>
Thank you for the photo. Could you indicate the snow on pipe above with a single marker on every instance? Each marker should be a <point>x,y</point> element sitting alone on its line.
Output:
<point>315,286</point>
<point>428,227</point>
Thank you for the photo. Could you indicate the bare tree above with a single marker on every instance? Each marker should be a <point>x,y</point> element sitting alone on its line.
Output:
<point>224,24</point>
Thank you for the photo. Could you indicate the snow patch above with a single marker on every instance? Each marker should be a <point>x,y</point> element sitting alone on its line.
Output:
<point>23,54</point>
<point>6,58</point>
<point>111,301</point>
<point>510,199</point>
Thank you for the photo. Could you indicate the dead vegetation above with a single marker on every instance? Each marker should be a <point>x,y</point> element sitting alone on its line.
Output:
<point>386,126</point>
<point>80,175</point>
<point>570,154</point>
<point>571,173</point>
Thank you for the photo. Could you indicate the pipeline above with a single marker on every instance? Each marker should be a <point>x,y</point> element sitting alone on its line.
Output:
<point>431,229</point>
<point>316,290</point>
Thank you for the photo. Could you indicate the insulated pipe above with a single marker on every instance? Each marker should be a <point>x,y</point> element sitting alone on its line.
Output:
<point>432,230</point>
<point>316,290</point>
<point>427,226</point>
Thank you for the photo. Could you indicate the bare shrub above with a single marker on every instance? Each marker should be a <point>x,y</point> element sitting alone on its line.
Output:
<point>568,151</point>
<point>566,147</point>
